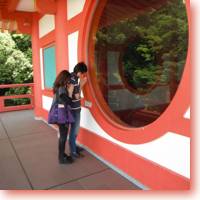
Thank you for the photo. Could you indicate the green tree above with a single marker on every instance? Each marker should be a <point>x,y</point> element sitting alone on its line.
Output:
<point>15,66</point>
<point>23,43</point>
<point>153,43</point>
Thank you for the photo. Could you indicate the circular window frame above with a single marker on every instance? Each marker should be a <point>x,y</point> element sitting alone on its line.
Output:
<point>129,135</point>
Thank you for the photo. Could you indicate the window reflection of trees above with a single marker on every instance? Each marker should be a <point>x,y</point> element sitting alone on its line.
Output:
<point>152,48</point>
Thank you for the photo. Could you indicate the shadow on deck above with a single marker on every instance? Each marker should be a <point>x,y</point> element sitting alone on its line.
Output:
<point>28,160</point>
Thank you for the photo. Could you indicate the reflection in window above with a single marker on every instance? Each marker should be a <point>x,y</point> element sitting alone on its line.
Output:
<point>140,52</point>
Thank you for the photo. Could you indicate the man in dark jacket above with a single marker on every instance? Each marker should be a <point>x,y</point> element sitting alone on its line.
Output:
<point>78,79</point>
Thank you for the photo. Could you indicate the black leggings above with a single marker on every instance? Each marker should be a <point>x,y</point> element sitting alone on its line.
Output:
<point>63,129</point>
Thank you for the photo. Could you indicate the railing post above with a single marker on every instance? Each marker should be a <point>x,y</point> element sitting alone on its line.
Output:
<point>32,94</point>
<point>1,104</point>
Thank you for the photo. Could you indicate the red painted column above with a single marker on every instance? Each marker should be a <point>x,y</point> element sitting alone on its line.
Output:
<point>61,36</point>
<point>36,66</point>
<point>46,6</point>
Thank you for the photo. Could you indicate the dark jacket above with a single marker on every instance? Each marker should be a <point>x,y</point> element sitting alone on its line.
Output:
<point>76,103</point>
<point>61,97</point>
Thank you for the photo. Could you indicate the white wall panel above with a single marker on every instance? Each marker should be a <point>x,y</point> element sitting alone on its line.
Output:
<point>46,25</point>
<point>46,102</point>
<point>74,7</point>
<point>171,150</point>
<point>187,114</point>
<point>73,49</point>
<point>41,69</point>
<point>28,6</point>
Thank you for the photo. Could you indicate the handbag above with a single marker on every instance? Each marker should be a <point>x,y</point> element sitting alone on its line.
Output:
<point>59,114</point>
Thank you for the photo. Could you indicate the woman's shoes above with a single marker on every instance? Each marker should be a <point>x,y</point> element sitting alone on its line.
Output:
<point>66,159</point>
<point>69,158</point>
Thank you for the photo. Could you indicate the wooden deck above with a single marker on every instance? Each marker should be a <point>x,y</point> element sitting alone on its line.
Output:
<point>28,160</point>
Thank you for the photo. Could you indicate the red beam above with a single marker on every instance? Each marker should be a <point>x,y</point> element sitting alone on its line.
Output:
<point>12,5</point>
<point>19,96</point>
<point>23,20</point>
<point>15,108</point>
<point>17,85</point>
<point>13,26</point>
<point>3,25</point>
<point>46,6</point>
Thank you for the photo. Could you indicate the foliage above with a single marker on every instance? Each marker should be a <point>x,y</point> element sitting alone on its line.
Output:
<point>153,44</point>
<point>15,62</point>
<point>23,43</point>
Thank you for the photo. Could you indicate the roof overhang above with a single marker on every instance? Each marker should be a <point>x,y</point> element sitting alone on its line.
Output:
<point>122,9</point>
<point>16,15</point>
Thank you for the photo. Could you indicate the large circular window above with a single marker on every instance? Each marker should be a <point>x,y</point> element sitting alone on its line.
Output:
<point>140,50</point>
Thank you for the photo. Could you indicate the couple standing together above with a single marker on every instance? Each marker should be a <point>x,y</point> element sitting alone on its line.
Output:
<point>67,91</point>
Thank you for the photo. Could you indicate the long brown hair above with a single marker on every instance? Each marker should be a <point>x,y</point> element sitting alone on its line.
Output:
<point>61,80</point>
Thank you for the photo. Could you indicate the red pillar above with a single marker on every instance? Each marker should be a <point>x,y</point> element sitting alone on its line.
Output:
<point>36,66</point>
<point>61,36</point>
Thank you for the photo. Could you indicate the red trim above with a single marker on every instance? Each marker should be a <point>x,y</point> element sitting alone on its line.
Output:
<point>16,108</point>
<point>61,36</point>
<point>36,65</point>
<point>74,24</point>
<point>17,85</point>
<point>46,6</point>
<point>87,16</point>
<point>41,113</point>
<point>3,25</point>
<point>23,19</point>
<point>47,39</point>
<point>169,120</point>
<point>12,4</point>
<point>21,96</point>
<point>17,14</point>
<point>147,172</point>
<point>12,26</point>
<point>182,128</point>
<point>47,92</point>
<point>24,25</point>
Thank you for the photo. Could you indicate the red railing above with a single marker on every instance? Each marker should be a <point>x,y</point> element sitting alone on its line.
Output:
<point>4,108</point>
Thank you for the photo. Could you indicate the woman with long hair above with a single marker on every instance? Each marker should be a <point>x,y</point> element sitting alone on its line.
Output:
<point>63,90</point>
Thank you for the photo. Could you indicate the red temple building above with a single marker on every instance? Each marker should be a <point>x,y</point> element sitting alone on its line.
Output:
<point>140,130</point>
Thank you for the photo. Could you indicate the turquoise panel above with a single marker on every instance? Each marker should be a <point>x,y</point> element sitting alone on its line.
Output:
<point>49,66</point>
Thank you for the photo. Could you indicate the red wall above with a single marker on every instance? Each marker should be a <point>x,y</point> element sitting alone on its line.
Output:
<point>148,173</point>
